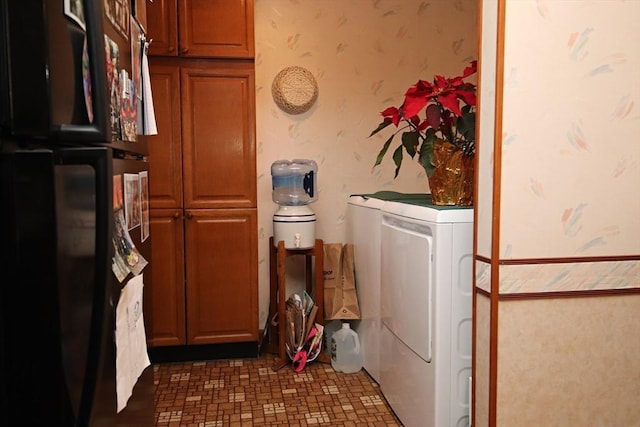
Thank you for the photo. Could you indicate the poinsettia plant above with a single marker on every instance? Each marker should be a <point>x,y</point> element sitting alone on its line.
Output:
<point>449,106</point>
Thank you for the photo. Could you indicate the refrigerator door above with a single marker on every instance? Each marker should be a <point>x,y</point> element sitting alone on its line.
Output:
<point>56,226</point>
<point>85,181</point>
<point>140,406</point>
<point>83,204</point>
<point>30,357</point>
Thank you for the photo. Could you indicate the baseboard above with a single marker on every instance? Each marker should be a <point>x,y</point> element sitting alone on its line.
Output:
<point>188,353</point>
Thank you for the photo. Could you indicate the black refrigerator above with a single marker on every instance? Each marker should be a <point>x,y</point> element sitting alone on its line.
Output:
<point>74,225</point>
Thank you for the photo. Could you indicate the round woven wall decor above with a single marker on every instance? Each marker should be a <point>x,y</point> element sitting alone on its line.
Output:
<point>294,90</point>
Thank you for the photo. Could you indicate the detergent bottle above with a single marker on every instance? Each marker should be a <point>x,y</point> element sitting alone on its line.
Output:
<point>346,354</point>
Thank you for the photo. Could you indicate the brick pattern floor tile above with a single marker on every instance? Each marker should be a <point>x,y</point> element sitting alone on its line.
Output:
<point>248,392</point>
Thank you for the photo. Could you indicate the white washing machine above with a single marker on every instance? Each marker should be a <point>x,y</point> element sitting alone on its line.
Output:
<point>426,311</point>
<point>363,230</point>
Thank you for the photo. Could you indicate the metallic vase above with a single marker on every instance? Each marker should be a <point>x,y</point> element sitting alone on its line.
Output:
<point>452,181</point>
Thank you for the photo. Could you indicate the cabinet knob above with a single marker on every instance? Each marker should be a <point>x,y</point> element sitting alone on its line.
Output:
<point>176,215</point>
<point>189,215</point>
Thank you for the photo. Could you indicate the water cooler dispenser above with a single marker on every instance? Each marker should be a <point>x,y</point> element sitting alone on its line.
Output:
<point>294,187</point>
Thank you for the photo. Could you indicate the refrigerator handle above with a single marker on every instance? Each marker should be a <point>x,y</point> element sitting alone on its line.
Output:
<point>100,159</point>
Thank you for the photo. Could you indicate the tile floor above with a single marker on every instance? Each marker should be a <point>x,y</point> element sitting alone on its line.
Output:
<point>248,392</point>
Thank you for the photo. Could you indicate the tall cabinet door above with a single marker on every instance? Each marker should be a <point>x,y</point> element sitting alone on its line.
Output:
<point>216,28</point>
<point>222,275</point>
<point>218,135</point>
<point>165,295</point>
<point>165,148</point>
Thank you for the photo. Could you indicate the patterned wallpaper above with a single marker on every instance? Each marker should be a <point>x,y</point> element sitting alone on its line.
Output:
<point>570,176</point>
<point>570,164</point>
<point>570,148</point>
<point>486,127</point>
<point>364,54</point>
<point>571,126</point>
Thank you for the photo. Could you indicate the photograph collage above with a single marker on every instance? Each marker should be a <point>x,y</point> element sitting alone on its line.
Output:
<point>130,210</point>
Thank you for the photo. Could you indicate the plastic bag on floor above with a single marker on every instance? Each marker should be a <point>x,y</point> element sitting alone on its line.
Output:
<point>303,337</point>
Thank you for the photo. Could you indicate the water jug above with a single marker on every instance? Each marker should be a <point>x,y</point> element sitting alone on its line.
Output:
<point>346,355</point>
<point>294,182</point>
<point>330,328</point>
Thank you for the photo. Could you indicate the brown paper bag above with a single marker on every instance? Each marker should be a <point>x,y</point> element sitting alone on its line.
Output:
<point>340,297</point>
<point>332,274</point>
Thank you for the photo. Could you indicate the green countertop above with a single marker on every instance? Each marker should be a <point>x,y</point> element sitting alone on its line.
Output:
<point>420,199</point>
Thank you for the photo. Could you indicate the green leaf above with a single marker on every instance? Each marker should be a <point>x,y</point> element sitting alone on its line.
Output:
<point>380,127</point>
<point>410,142</point>
<point>397,159</point>
<point>384,149</point>
<point>467,125</point>
<point>426,155</point>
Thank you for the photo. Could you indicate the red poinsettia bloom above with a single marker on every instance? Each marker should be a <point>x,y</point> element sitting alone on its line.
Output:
<point>446,92</point>
<point>449,105</point>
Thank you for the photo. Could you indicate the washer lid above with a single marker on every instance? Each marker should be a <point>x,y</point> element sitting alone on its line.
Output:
<point>429,213</point>
<point>366,201</point>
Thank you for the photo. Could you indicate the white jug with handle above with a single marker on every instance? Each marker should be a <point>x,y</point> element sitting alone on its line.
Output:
<point>346,354</point>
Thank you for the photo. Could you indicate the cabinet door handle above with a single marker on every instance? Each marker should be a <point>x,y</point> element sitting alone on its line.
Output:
<point>176,215</point>
<point>189,215</point>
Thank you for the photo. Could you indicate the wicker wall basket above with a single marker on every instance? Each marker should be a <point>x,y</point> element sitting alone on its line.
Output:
<point>294,90</point>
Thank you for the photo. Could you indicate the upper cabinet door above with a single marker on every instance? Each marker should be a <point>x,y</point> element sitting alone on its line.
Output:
<point>140,12</point>
<point>218,134</point>
<point>216,28</point>
<point>165,148</point>
<point>162,27</point>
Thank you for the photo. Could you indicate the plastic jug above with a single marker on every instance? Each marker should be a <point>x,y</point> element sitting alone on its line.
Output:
<point>346,355</point>
<point>294,182</point>
<point>330,328</point>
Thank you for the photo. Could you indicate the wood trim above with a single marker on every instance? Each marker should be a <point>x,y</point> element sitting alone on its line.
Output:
<point>568,294</point>
<point>495,226</point>
<point>483,259</point>
<point>567,260</point>
<point>472,401</point>
<point>559,294</point>
<point>482,292</point>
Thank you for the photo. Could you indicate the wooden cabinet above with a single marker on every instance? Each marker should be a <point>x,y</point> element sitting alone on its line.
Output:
<point>165,148</point>
<point>218,134</point>
<point>201,28</point>
<point>140,13</point>
<point>221,275</point>
<point>164,302</point>
<point>162,23</point>
<point>203,287</point>
<point>209,296</point>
